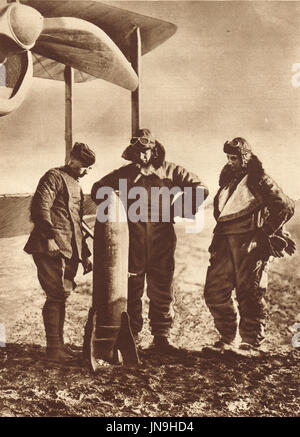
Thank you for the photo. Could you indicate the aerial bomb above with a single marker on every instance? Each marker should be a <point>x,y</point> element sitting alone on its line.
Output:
<point>107,333</point>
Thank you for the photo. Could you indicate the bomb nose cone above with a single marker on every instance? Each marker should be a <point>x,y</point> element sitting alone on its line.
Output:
<point>25,24</point>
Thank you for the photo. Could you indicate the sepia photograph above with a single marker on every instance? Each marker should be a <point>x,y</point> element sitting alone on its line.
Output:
<point>149,211</point>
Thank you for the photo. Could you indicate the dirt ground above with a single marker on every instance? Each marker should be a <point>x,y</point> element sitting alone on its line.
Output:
<point>188,385</point>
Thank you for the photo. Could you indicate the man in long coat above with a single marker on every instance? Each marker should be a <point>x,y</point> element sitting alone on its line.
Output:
<point>57,242</point>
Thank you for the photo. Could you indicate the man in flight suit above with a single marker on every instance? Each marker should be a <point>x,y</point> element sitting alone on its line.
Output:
<point>250,210</point>
<point>152,242</point>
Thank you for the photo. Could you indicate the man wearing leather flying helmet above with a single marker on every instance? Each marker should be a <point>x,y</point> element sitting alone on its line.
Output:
<point>250,210</point>
<point>151,243</point>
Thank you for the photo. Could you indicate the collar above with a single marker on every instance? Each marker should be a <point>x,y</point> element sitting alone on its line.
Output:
<point>67,169</point>
<point>146,171</point>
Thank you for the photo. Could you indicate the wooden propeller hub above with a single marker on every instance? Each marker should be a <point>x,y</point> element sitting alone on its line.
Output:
<point>23,24</point>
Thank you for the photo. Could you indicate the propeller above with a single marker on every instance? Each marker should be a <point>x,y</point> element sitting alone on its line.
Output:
<point>66,40</point>
<point>85,47</point>
<point>20,26</point>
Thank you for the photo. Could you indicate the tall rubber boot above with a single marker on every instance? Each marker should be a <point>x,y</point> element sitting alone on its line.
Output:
<point>54,349</point>
<point>67,349</point>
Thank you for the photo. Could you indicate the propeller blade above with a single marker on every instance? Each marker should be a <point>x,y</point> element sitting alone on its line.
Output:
<point>18,77</point>
<point>117,22</point>
<point>85,47</point>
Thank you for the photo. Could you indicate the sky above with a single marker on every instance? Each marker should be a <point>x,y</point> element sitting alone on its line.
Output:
<point>227,72</point>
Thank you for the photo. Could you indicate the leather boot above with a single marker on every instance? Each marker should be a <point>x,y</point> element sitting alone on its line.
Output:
<point>54,349</point>
<point>67,349</point>
<point>161,344</point>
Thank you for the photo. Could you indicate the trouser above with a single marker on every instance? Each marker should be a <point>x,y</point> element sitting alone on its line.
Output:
<point>151,257</point>
<point>56,276</point>
<point>237,261</point>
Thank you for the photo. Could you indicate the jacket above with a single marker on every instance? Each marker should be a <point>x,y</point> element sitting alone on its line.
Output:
<point>57,212</point>
<point>269,207</point>
<point>167,175</point>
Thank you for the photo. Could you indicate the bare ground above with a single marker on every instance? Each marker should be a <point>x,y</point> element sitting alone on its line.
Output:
<point>188,385</point>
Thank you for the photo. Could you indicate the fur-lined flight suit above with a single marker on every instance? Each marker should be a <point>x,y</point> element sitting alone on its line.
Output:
<point>151,244</point>
<point>246,208</point>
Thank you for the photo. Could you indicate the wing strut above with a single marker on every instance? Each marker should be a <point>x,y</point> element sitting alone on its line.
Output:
<point>135,55</point>
<point>69,81</point>
<point>135,95</point>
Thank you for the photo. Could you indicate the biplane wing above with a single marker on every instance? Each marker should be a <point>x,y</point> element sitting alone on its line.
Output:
<point>15,213</point>
<point>117,23</point>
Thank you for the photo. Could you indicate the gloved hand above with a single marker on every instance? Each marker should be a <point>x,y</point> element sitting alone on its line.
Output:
<point>277,243</point>
<point>291,245</point>
<point>277,246</point>
<point>273,245</point>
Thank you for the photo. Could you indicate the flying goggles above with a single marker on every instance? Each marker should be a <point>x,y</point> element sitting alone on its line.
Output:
<point>144,141</point>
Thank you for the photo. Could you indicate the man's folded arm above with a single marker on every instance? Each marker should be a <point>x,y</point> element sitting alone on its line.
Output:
<point>110,180</point>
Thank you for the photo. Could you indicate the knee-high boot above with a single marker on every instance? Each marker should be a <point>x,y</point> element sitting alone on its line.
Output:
<point>51,315</point>
<point>67,349</point>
